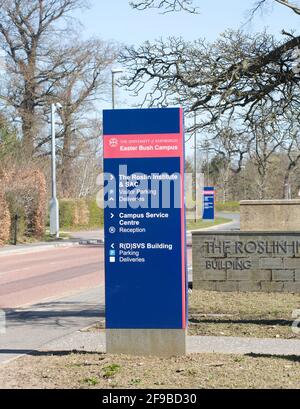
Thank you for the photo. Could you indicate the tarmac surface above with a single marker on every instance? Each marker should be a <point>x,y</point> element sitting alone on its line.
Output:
<point>29,277</point>
<point>63,286</point>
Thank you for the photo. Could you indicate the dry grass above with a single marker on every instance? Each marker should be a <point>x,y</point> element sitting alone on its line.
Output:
<point>87,370</point>
<point>211,313</point>
<point>200,224</point>
<point>260,315</point>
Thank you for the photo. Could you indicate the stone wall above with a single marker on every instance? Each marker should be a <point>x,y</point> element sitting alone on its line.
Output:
<point>270,215</point>
<point>246,261</point>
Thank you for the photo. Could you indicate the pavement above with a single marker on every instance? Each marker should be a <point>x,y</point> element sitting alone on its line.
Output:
<point>92,237</point>
<point>36,247</point>
<point>241,345</point>
<point>80,236</point>
<point>95,342</point>
<point>30,329</point>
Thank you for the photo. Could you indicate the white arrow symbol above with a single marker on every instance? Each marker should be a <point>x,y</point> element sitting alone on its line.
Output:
<point>112,215</point>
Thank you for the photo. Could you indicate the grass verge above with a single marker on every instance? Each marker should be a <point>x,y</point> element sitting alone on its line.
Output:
<point>203,224</point>
<point>232,207</point>
<point>261,315</point>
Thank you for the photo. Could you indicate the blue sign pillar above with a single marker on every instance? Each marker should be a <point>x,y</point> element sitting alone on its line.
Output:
<point>145,255</point>
<point>208,203</point>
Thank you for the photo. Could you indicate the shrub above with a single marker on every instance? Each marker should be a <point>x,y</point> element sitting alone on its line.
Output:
<point>82,214</point>
<point>4,220</point>
<point>66,212</point>
<point>25,194</point>
<point>16,207</point>
<point>39,213</point>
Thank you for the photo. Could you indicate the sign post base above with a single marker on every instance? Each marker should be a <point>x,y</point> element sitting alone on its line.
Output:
<point>145,342</point>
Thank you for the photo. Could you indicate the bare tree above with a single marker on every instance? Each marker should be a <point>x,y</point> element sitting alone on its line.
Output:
<point>77,93</point>
<point>266,140</point>
<point>232,144</point>
<point>263,149</point>
<point>234,74</point>
<point>88,164</point>
<point>29,34</point>
<point>291,151</point>
<point>290,4</point>
<point>85,82</point>
<point>237,71</point>
<point>190,5</point>
<point>166,5</point>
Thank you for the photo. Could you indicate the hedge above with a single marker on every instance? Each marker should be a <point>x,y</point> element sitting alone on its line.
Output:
<point>80,213</point>
<point>228,207</point>
<point>96,214</point>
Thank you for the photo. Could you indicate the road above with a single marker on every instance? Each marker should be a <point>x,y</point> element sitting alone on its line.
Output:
<point>233,225</point>
<point>29,278</point>
<point>48,294</point>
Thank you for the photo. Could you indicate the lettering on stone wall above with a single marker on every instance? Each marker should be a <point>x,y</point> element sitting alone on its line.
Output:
<point>237,264</point>
<point>237,254</point>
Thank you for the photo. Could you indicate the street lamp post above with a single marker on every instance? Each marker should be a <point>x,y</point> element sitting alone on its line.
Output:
<point>206,148</point>
<point>113,73</point>
<point>195,165</point>
<point>54,205</point>
<point>207,160</point>
<point>243,168</point>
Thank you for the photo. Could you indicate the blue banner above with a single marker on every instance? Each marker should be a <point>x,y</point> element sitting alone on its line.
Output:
<point>208,203</point>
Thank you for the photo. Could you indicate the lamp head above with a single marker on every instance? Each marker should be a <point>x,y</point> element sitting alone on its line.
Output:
<point>117,71</point>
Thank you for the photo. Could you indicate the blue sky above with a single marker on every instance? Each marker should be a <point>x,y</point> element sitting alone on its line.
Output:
<point>115,20</point>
